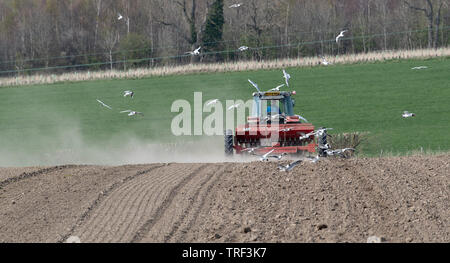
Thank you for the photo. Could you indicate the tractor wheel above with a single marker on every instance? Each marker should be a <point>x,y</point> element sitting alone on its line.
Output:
<point>322,141</point>
<point>228,142</point>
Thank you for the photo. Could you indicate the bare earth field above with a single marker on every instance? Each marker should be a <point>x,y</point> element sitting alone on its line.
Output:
<point>402,199</point>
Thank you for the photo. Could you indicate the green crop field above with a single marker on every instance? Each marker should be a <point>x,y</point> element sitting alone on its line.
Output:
<point>360,97</point>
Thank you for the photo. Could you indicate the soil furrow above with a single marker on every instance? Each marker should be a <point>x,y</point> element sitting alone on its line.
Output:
<point>145,228</point>
<point>123,210</point>
<point>28,175</point>
<point>210,182</point>
<point>110,210</point>
<point>401,199</point>
<point>102,197</point>
<point>147,203</point>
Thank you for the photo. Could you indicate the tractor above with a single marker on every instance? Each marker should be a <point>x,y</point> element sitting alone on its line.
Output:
<point>273,125</point>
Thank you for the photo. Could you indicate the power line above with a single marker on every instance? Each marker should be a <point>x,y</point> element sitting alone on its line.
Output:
<point>163,47</point>
<point>107,53</point>
<point>209,53</point>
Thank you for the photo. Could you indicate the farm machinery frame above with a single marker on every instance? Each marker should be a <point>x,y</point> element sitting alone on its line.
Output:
<point>273,125</point>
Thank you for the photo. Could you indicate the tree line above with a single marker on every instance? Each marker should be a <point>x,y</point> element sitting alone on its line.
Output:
<point>65,35</point>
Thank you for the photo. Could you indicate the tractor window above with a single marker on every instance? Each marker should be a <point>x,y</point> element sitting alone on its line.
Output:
<point>256,110</point>
<point>288,106</point>
<point>261,107</point>
<point>275,107</point>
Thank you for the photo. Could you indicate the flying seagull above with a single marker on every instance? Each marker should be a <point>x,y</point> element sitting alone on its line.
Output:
<point>101,102</point>
<point>277,88</point>
<point>265,156</point>
<point>250,150</point>
<point>407,114</point>
<point>120,17</point>
<point>313,160</point>
<point>243,48</point>
<point>340,35</point>
<point>234,106</point>
<point>288,167</point>
<point>254,85</point>
<point>303,119</point>
<point>212,102</point>
<point>338,151</point>
<point>286,77</point>
<point>420,67</point>
<point>195,52</point>
<point>132,113</point>
<point>235,5</point>
<point>325,62</point>
<point>325,146</point>
<point>277,116</point>
<point>278,157</point>
<point>272,118</point>
<point>306,136</point>
<point>128,93</point>
<point>319,132</point>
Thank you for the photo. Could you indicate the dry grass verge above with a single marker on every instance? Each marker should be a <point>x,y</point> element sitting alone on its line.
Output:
<point>222,67</point>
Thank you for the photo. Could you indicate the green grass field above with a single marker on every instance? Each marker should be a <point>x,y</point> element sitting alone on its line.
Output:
<point>359,97</point>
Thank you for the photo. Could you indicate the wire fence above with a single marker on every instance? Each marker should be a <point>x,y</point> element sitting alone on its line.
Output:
<point>153,48</point>
<point>230,54</point>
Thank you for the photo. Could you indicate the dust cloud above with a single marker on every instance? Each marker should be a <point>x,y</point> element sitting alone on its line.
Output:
<point>69,147</point>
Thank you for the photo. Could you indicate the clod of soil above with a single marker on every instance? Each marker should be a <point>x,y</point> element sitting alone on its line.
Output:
<point>321,226</point>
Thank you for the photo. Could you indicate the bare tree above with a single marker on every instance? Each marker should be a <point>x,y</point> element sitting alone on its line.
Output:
<point>98,6</point>
<point>110,36</point>
<point>261,19</point>
<point>58,33</point>
<point>438,22</point>
<point>429,11</point>
<point>382,6</point>
<point>190,12</point>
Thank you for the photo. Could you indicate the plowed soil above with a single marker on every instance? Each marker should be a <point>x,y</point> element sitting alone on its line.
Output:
<point>401,199</point>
